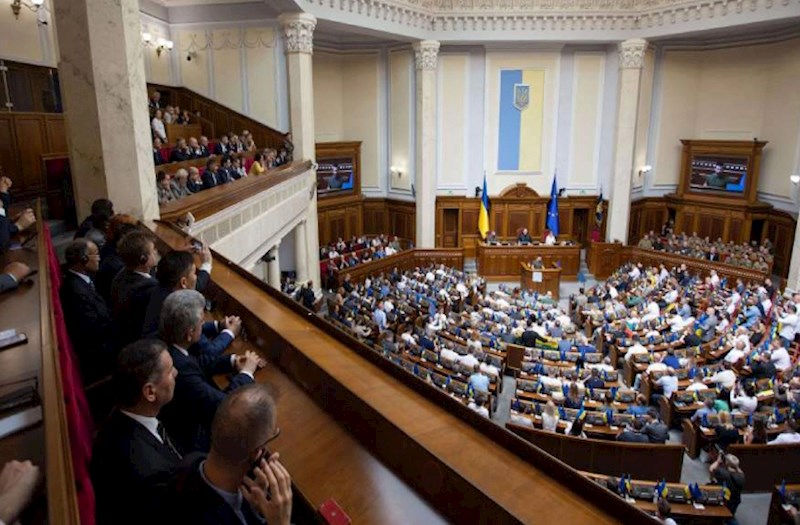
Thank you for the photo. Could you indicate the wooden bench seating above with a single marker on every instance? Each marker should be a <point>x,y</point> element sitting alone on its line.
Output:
<point>768,465</point>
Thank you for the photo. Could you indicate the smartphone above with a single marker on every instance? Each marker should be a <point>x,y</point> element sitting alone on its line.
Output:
<point>197,245</point>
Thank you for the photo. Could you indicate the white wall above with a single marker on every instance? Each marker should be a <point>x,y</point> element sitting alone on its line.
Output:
<point>349,105</point>
<point>25,40</point>
<point>735,93</point>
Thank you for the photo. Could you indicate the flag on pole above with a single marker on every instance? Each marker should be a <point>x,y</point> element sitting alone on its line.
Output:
<point>483,215</point>
<point>552,209</point>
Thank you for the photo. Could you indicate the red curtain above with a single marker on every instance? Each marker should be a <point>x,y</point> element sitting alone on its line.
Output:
<point>79,418</point>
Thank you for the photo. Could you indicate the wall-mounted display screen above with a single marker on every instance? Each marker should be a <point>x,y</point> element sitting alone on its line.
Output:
<point>720,174</point>
<point>334,176</point>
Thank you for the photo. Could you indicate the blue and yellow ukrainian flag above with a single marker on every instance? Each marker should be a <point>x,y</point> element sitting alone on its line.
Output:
<point>483,215</point>
<point>519,146</point>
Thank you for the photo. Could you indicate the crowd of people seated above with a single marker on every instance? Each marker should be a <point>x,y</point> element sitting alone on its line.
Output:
<point>747,255</point>
<point>342,255</point>
<point>176,446</point>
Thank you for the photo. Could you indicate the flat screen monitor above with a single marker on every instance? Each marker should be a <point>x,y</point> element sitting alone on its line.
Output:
<point>334,176</point>
<point>718,174</point>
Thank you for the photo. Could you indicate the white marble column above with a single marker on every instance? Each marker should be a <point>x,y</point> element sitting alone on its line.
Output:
<point>101,71</point>
<point>312,237</point>
<point>274,267</point>
<point>300,251</point>
<point>631,59</point>
<point>298,36</point>
<point>426,53</point>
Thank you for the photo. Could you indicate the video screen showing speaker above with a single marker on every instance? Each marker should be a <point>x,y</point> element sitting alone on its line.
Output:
<point>718,174</point>
<point>334,176</point>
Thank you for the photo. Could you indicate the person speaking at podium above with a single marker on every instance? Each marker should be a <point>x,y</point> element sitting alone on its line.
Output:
<point>524,237</point>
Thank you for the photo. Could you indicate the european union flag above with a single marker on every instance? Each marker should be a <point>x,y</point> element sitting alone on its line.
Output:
<point>552,209</point>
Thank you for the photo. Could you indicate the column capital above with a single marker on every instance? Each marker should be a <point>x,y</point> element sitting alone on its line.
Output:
<point>426,54</point>
<point>631,53</point>
<point>298,32</point>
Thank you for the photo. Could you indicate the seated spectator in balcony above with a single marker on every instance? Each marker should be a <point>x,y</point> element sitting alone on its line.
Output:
<point>237,171</point>
<point>288,147</point>
<point>211,176</point>
<point>179,184</point>
<point>249,143</point>
<point>194,148</point>
<point>204,151</point>
<point>195,182</point>
<point>110,261</point>
<point>86,314</point>
<point>185,117</point>
<point>157,125</point>
<point>180,152</point>
<point>168,118</point>
<point>223,147</point>
<point>225,172</point>
<point>236,144</point>
<point>158,159</point>
<point>95,225</point>
<point>240,481</point>
<point>257,168</point>
<point>188,417</point>
<point>155,101</point>
<point>164,188</point>
<point>270,158</point>
<point>133,458</point>
<point>131,287</point>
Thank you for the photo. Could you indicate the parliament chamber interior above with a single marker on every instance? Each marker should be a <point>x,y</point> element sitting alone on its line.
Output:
<point>297,262</point>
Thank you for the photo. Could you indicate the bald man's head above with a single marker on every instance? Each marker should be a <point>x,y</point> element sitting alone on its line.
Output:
<point>244,422</point>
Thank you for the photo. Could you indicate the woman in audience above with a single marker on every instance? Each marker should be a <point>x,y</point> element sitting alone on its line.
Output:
<point>550,417</point>
<point>249,143</point>
<point>157,126</point>
<point>757,433</point>
<point>258,167</point>
<point>574,398</point>
<point>575,429</point>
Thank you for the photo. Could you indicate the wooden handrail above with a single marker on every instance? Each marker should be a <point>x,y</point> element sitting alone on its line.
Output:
<point>214,200</point>
<point>62,501</point>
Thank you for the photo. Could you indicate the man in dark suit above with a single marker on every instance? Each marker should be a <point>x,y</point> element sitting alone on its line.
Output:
<point>157,157</point>
<point>225,172</point>
<point>633,434</point>
<point>10,227</point>
<point>656,430</point>
<point>223,147</point>
<point>594,380</point>
<point>244,425</point>
<point>204,151</point>
<point>176,271</point>
<point>197,397</point>
<point>133,457</point>
<point>210,176</point>
<point>12,275</point>
<point>195,183</point>
<point>712,255</point>
<point>131,287</point>
<point>180,152</point>
<point>86,314</point>
<point>530,336</point>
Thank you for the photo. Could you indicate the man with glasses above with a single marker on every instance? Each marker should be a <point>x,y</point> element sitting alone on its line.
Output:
<point>240,482</point>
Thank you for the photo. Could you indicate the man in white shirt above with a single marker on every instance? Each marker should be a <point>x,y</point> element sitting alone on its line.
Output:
<point>634,349</point>
<point>736,353</point>
<point>725,378</point>
<point>780,358</point>
<point>478,407</point>
<point>668,382</point>
<point>697,384</point>
<point>790,436</point>
<point>787,317</point>
<point>468,361</point>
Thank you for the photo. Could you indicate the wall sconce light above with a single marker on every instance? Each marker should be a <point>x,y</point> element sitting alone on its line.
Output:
<point>795,178</point>
<point>161,44</point>
<point>33,5</point>
<point>645,169</point>
<point>396,172</point>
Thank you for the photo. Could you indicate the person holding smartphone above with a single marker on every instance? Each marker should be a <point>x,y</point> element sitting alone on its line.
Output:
<point>240,481</point>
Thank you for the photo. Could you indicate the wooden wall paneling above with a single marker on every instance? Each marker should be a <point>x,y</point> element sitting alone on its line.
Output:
<point>9,159</point>
<point>469,222</point>
<point>32,128</point>
<point>222,121</point>
<point>519,216</point>
<point>56,134</point>
<point>185,101</point>
<point>538,219</point>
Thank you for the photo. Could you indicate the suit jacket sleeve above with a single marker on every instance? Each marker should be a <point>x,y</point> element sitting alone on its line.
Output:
<point>7,283</point>
<point>203,278</point>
